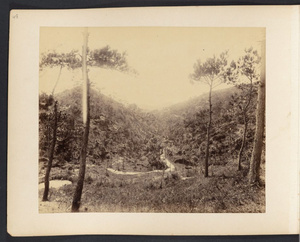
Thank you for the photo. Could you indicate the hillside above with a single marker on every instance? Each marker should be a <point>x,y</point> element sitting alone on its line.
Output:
<point>194,104</point>
<point>184,126</point>
<point>115,131</point>
<point>177,113</point>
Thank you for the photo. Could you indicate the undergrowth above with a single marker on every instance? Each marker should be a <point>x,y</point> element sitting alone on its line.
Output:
<point>172,194</point>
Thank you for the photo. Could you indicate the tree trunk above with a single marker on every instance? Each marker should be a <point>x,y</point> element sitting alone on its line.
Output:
<point>86,122</point>
<point>243,142</point>
<point>51,154</point>
<point>260,124</point>
<point>61,66</point>
<point>106,170</point>
<point>162,178</point>
<point>245,125</point>
<point>208,134</point>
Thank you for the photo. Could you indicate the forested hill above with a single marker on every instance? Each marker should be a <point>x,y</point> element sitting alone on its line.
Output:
<point>193,105</point>
<point>115,130</point>
<point>185,125</point>
<point>175,115</point>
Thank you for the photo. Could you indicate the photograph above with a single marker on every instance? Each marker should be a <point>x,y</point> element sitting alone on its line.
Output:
<point>151,119</point>
<point>159,121</point>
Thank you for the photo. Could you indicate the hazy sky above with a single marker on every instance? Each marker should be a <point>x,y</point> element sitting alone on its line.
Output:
<point>163,57</point>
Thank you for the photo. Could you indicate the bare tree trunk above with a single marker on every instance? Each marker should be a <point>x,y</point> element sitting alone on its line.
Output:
<point>162,178</point>
<point>51,154</point>
<point>208,134</point>
<point>106,170</point>
<point>245,125</point>
<point>260,124</point>
<point>243,142</point>
<point>61,66</point>
<point>86,122</point>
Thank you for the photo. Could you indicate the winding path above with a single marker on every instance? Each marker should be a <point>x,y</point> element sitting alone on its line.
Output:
<point>168,163</point>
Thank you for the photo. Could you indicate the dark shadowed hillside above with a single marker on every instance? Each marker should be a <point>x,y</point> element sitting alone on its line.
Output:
<point>116,131</point>
<point>184,126</point>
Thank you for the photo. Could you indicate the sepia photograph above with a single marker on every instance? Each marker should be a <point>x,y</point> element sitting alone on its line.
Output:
<point>152,120</point>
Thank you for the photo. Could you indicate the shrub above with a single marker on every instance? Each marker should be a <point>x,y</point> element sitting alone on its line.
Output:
<point>89,179</point>
<point>175,176</point>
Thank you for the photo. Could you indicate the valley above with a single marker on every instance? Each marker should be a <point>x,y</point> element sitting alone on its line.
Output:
<point>150,161</point>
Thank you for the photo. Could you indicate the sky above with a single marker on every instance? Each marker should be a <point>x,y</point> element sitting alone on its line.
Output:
<point>162,56</point>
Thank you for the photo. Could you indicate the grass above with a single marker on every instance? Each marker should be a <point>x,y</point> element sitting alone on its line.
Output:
<point>113,193</point>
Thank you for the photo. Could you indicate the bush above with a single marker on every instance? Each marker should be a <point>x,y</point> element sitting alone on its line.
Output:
<point>175,176</point>
<point>89,179</point>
